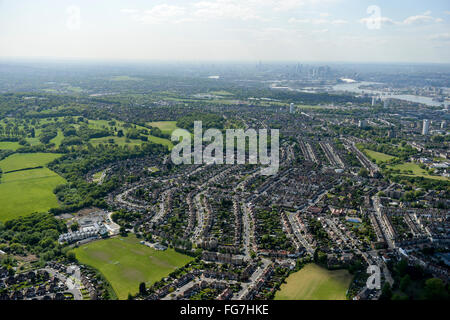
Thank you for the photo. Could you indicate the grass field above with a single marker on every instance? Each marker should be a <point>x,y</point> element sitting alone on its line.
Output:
<point>20,161</point>
<point>125,263</point>
<point>58,139</point>
<point>315,283</point>
<point>166,127</point>
<point>413,170</point>
<point>25,192</point>
<point>378,156</point>
<point>9,145</point>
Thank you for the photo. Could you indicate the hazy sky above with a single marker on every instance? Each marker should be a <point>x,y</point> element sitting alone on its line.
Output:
<point>194,30</point>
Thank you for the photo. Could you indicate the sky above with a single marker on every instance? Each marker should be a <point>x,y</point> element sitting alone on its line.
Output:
<point>408,31</point>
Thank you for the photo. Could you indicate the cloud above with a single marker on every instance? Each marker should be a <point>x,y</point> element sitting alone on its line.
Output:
<point>225,9</point>
<point>412,20</point>
<point>158,14</point>
<point>377,21</point>
<point>420,19</point>
<point>317,21</point>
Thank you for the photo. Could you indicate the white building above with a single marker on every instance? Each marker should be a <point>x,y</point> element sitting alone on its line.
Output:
<point>292,108</point>
<point>426,127</point>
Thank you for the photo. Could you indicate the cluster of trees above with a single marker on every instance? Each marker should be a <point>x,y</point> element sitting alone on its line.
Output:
<point>34,234</point>
<point>403,153</point>
<point>413,283</point>
<point>424,183</point>
<point>209,120</point>
<point>270,232</point>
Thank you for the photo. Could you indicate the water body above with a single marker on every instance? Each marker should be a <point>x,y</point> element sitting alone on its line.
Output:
<point>355,88</point>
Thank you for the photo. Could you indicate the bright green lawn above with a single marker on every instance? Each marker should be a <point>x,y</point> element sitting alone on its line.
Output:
<point>315,283</point>
<point>417,171</point>
<point>378,156</point>
<point>9,145</point>
<point>25,192</point>
<point>125,263</point>
<point>20,161</point>
<point>58,139</point>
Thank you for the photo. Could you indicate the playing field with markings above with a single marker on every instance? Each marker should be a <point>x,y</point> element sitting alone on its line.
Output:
<point>315,283</point>
<point>125,263</point>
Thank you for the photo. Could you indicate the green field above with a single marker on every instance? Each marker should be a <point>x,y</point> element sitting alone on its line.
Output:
<point>5,145</point>
<point>25,192</point>
<point>166,127</point>
<point>413,170</point>
<point>20,161</point>
<point>315,283</point>
<point>125,263</point>
<point>58,139</point>
<point>378,156</point>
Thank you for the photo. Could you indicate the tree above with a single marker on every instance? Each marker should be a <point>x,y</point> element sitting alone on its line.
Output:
<point>405,282</point>
<point>435,289</point>
<point>386,292</point>
<point>71,256</point>
<point>363,173</point>
<point>142,289</point>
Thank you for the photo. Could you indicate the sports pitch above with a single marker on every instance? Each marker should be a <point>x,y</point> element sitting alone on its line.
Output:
<point>315,283</point>
<point>125,263</point>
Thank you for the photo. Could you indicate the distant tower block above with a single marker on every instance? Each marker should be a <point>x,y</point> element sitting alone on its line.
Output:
<point>373,101</point>
<point>362,123</point>
<point>443,125</point>
<point>292,108</point>
<point>426,127</point>
<point>386,103</point>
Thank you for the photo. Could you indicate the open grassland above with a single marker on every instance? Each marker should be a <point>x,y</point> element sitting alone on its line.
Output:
<point>5,145</point>
<point>58,139</point>
<point>25,192</point>
<point>378,156</point>
<point>315,283</point>
<point>413,170</point>
<point>166,127</point>
<point>20,161</point>
<point>125,263</point>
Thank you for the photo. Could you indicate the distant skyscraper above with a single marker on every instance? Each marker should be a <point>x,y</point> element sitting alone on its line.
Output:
<point>373,101</point>
<point>443,125</point>
<point>426,127</point>
<point>386,103</point>
<point>292,108</point>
